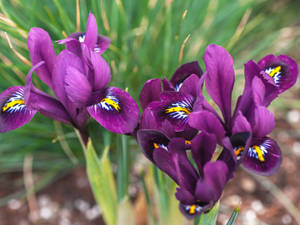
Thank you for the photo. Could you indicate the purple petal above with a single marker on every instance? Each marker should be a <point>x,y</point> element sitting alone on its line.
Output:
<point>41,49</point>
<point>116,111</point>
<point>264,122</point>
<point>65,60</point>
<point>14,113</point>
<point>174,107</point>
<point>282,69</point>
<point>183,72</point>
<point>77,87</point>
<point>190,211</point>
<point>204,192</point>
<point>208,122</point>
<point>240,124</point>
<point>150,140</point>
<point>190,85</point>
<point>43,103</point>
<point>101,44</point>
<point>151,92</point>
<point>203,147</point>
<point>101,72</point>
<point>215,174</point>
<point>91,35</point>
<point>186,173</point>
<point>263,157</point>
<point>184,196</point>
<point>220,78</point>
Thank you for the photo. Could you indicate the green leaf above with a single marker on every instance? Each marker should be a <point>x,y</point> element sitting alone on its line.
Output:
<point>233,217</point>
<point>125,212</point>
<point>209,218</point>
<point>102,182</point>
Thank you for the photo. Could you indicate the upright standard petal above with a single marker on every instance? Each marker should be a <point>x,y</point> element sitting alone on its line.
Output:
<point>41,49</point>
<point>282,69</point>
<point>219,78</point>
<point>91,35</point>
<point>263,157</point>
<point>115,110</point>
<point>263,123</point>
<point>100,72</point>
<point>150,92</point>
<point>14,112</point>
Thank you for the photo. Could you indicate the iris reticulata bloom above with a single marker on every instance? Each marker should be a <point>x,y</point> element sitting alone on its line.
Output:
<point>78,77</point>
<point>179,109</point>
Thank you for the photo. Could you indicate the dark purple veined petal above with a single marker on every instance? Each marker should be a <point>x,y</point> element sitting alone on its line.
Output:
<point>219,78</point>
<point>13,112</point>
<point>208,122</point>
<point>151,140</point>
<point>282,69</point>
<point>203,146</point>
<point>42,102</point>
<point>41,49</point>
<point>150,92</point>
<point>263,157</point>
<point>115,110</point>
<point>175,107</point>
<point>183,72</point>
<point>190,211</point>
<point>241,124</point>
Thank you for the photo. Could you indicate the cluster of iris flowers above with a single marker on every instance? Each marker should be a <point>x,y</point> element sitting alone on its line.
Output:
<point>183,135</point>
<point>179,131</point>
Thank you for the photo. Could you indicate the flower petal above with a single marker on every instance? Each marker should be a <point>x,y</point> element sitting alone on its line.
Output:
<point>91,35</point>
<point>150,92</point>
<point>101,44</point>
<point>41,49</point>
<point>190,85</point>
<point>220,78</point>
<point>174,107</point>
<point>116,111</point>
<point>241,124</point>
<point>183,72</point>
<point>14,112</point>
<point>101,72</point>
<point>208,122</point>
<point>282,69</point>
<point>203,146</point>
<point>150,140</point>
<point>264,122</point>
<point>263,157</point>
<point>77,87</point>
<point>190,211</point>
<point>42,102</point>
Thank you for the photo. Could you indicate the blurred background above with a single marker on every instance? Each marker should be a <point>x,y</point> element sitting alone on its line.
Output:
<point>42,168</point>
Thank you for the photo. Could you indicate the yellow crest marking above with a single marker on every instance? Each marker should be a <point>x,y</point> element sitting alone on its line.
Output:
<point>155,145</point>
<point>275,71</point>
<point>192,209</point>
<point>239,150</point>
<point>188,142</point>
<point>12,104</point>
<point>259,153</point>
<point>177,109</point>
<point>112,103</point>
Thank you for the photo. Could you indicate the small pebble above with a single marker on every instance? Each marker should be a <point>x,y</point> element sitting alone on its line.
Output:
<point>14,204</point>
<point>286,219</point>
<point>293,116</point>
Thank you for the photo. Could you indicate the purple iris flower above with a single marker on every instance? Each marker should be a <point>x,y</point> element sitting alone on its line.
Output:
<point>79,83</point>
<point>264,81</point>
<point>200,186</point>
<point>169,107</point>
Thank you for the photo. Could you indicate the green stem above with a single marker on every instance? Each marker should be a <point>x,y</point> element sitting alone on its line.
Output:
<point>123,169</point>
